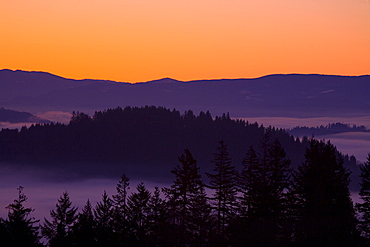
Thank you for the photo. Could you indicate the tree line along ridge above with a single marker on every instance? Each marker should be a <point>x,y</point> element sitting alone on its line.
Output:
<point>141,138</point>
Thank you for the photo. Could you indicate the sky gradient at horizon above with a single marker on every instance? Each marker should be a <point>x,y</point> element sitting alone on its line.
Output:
<point>142,40</point>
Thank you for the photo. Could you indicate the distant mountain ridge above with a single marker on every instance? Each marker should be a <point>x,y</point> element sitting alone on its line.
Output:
<point>11,116</point>
<point>273,95</point>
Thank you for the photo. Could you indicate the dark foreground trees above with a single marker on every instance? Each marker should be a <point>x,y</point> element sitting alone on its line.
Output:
<point>264,181</point>
<point>324,213</point>
<point>364,207</point>
<point>84,228</point>
<point>224,184</point>
<point>19,229</point>
<point>189,212</point>
<point>59,230</point>
<point>264,205</point>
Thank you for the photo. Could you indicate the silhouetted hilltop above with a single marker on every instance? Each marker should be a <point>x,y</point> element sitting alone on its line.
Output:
<point>164,80</point>
<point>275,95</point>
<point>150,136</point>
<point>144,140</point>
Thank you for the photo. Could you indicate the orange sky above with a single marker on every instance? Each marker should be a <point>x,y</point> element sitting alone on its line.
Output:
<point>141,40</point>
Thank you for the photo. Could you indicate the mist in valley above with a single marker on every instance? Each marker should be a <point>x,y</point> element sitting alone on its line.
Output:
<point>44,187</point>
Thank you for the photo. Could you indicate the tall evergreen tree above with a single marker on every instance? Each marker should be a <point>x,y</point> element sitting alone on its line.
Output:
<point>59,230</point>
<point>21,229</point>
<point>201,221</point>
<point>224,183</point>
<point>264,181</point>
<point>84,228</point>
<point>138,214</point>
<point>120,223</point>
<point>322,203</point>
<point>364,207</point>
<point>278,177</point>
<point>186,196</point>
<point>104,213</point>
<point>158,219</point>
<point>248,182</point>
<point>120,198</point>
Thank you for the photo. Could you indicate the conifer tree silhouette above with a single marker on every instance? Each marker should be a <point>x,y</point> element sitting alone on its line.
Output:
<point>323,207</point>
<point>84,228</point>
<point>186,196</point>
<point>224,183</point>
<point>104,213</point>
<point>20,227</point>
<point>264,181</point>
<point>138,214</point>
<point>59,230</point>
<point>158,219</point>
<point>120,222</point>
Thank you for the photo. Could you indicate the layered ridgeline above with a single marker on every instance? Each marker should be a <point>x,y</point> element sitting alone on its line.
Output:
<point>274,95</point>
<point>145,141</point>
<point>11,116</point>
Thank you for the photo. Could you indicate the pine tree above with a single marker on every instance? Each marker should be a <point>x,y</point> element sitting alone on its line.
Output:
<point>158,219</point>
<point>20,228</point>
<point>248,182</point>
<point>201,221</point>
<point>264,181</point>
<point>224,183</point>
<point>104,213</point>
<point>84,229</point>
<point>120,223</point>
<point>138,214</point>
<point>183,196</point>
<point>322,203</point>
<point>279,175</point>
<point>120,199</point>
<point>59,230</point>
<point>364,207</point>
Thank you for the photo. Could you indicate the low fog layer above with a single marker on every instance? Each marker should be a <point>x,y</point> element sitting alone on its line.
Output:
<point>352,143</point>
<point>54,116</point>
<point>43,190</point>
<point>291,122</point>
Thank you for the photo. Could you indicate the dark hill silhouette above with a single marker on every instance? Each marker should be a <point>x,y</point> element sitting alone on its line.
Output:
<point>275,95</point>
<point>138,140</point>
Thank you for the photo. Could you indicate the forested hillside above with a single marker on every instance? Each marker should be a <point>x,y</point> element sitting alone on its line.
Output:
<point>139,140</point>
